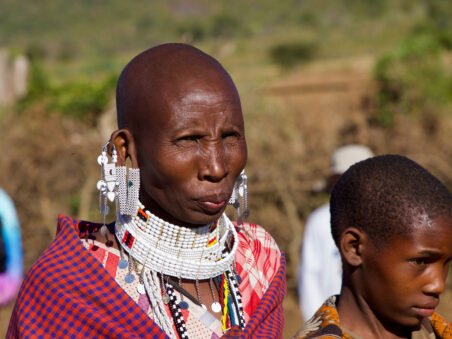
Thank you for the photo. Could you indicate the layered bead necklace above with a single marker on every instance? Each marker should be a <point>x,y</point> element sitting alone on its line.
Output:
<point>165,250</point>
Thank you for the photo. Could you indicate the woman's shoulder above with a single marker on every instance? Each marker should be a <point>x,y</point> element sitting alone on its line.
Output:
<point>257,250</point>
<point>255,235</point>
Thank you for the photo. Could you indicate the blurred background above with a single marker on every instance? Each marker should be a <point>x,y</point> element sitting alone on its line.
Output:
<point>312,75</point>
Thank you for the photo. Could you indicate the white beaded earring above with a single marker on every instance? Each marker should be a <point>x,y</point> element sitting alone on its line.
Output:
<point>108,184</point>
<point>239,196</point>
<point>129,189</point>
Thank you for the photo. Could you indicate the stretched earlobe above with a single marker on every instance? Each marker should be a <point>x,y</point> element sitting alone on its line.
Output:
<point>125,146</point>
<point>128,178</point>
<point>351,245</point>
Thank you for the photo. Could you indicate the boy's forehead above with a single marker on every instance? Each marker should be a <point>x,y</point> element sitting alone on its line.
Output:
<point>423,235</point>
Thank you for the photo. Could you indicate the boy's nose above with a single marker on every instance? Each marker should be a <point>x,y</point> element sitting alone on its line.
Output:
<point>437,283</point>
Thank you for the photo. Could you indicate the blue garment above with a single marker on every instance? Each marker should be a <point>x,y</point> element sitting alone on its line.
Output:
<point>11,236</point>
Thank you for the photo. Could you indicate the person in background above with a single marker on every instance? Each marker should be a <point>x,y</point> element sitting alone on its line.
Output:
<point>392,222</point>
<point>11,261</point>
<point>320,266</point>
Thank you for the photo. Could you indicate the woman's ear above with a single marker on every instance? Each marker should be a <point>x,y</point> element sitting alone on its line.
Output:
<point>352,243</point>
<point>125,146</point>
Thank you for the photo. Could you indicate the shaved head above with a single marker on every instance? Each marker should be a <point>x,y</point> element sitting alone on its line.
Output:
<point>162,75</point>
<point>181,123</point>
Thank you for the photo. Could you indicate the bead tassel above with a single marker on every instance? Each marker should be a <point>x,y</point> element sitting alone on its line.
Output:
<point>225,304</point>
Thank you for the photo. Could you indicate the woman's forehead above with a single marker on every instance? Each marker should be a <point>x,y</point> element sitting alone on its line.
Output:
<point>189,97</point>
<point>163,76</point>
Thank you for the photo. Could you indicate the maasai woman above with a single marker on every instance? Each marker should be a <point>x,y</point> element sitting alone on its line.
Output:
<point>173,264</point>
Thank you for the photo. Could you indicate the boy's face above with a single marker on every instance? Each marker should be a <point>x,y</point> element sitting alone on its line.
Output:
<point>403,280</point>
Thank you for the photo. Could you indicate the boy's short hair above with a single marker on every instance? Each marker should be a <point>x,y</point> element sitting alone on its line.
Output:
<point>384,196</point>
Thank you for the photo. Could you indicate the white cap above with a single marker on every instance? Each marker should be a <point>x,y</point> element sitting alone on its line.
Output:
<point>348,155</point>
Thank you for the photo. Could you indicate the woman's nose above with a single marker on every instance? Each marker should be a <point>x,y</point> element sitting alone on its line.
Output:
<point>213,166</point>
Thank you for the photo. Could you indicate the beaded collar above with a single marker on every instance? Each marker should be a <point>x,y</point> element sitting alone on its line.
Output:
<point>189,253</point>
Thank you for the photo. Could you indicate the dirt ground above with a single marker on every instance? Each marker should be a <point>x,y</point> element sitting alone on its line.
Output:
<point>50,167</point>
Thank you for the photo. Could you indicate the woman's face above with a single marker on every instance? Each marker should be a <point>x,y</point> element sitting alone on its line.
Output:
<point>191,152</point>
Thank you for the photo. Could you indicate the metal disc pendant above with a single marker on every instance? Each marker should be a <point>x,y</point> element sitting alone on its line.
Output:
<point>123,263</point>
<point>129,278</point>
<point>141,289</point>
<point>216,307</point>
<point>183,305</point>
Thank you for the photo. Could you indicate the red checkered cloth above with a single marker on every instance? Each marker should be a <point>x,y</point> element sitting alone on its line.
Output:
<point>67,293</point>
<point>257,260</point>
<point>267,320</point>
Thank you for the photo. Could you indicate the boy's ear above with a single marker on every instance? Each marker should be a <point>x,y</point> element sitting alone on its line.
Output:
<point>125,146</point>
<point>352,245</point>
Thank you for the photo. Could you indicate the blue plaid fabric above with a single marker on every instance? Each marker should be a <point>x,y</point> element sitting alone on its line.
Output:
<point>68,294</point>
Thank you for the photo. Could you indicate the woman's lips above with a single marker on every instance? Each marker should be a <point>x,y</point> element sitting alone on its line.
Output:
<point>212,206</point>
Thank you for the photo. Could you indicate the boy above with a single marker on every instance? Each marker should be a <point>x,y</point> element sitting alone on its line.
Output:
<point>392,222</point>
<point>320,272</point>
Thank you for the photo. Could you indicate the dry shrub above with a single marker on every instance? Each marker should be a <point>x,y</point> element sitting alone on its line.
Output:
<point>49,165</point>
<point>43,168</point>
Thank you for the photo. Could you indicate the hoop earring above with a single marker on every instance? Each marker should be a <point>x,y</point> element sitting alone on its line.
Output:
<point>239,196</point>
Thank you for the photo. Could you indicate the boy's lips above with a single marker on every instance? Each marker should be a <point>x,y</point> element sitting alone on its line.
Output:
<point>426,310</point>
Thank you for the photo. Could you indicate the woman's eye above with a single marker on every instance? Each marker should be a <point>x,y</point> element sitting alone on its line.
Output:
<point>231,134</point>
<point>190,138</point>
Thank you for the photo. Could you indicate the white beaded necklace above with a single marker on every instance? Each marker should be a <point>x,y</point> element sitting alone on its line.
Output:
<point>189,253</point>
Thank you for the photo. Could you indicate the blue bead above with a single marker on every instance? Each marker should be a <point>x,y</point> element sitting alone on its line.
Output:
<point>129,278</point>
<point>183,305</point>
<point>123,263</point>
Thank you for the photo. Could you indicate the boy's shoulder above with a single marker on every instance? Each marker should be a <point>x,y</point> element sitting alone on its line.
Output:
<point>442,327</point>
<point>324,323</point>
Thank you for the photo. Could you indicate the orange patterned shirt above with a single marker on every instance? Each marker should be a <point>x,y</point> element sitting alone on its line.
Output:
<point>325,324</point>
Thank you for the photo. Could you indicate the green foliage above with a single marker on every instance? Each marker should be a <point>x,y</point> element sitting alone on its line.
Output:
<point>227,26</point>
<point>39,83</point>
<point>413,78</point>
<point>287,55</point>
<point>81,99</point>
<point>74,204</point>
<point>192,30</point>
<point>221,25</point>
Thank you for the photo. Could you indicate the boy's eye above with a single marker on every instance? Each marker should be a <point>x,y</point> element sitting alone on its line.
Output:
<point>418,261</point>
<point>421,261</point>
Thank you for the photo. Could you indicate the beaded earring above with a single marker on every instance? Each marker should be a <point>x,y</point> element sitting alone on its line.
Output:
<point>239,196</point>
<point>128,190</point>
<point>108,184</point>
